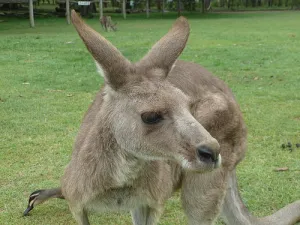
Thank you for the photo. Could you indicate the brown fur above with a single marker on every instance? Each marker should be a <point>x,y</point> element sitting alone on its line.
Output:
<point>107,24</point>
<point>117,158</point>
<point>121,163</point>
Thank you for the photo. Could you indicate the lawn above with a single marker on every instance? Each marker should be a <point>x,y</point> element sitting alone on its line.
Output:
<point>48,80</point>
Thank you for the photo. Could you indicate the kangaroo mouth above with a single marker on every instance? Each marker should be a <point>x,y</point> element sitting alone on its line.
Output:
<point>198,165</point>
<point>218,162</point>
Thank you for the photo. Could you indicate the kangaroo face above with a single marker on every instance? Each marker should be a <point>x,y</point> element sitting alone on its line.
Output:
<point>153,121</point>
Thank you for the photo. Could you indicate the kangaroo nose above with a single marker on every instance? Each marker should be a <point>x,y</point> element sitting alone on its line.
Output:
<point>206,154</point>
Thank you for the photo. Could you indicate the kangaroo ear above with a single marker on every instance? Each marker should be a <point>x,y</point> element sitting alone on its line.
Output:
<point>108,59</point>
<point>165,52</point>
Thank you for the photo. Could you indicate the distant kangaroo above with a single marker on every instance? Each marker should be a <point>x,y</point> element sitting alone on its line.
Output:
<point>158,125</point>
<point>107,24</point>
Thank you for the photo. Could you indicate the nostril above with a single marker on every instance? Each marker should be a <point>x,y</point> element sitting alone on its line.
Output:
<point>205,154</point>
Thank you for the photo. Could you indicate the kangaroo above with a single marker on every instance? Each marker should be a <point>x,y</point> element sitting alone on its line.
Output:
<point>156,126</point>
<point>107,24</point>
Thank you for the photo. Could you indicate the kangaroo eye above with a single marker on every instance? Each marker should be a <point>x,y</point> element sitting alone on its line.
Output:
<point>151,117</point>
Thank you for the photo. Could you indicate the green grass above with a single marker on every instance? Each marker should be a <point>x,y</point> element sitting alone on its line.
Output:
<point>48,79</point>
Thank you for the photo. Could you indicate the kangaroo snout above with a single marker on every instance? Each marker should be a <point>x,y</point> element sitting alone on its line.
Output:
<point>209,153</point>
<point>206,154</point>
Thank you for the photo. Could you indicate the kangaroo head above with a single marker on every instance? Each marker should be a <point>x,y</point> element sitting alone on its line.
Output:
<point>148,116</point>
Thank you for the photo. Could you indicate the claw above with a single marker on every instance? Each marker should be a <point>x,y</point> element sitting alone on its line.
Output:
<point>32,198</point>
<point>29,208</point>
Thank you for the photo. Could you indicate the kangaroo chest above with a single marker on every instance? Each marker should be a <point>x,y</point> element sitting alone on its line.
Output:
<point>120,199</point>
<point>151,188</point>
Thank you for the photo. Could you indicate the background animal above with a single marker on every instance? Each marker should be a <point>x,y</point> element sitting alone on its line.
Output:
<point>107,24</point>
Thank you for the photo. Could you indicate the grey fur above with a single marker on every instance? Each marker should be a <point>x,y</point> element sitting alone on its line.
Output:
<point>120,163</point>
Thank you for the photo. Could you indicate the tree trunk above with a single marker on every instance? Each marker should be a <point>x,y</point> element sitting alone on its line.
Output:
<point>31,15</point>
<point>286,3</point>
<point>100,9</point>
<point>270,3</point>
<point>158,5</point>
<point>124,9</point>
<point>178,8</point>
<point>68,11</point>
<point>147,8</point>
<point>259,2</point>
